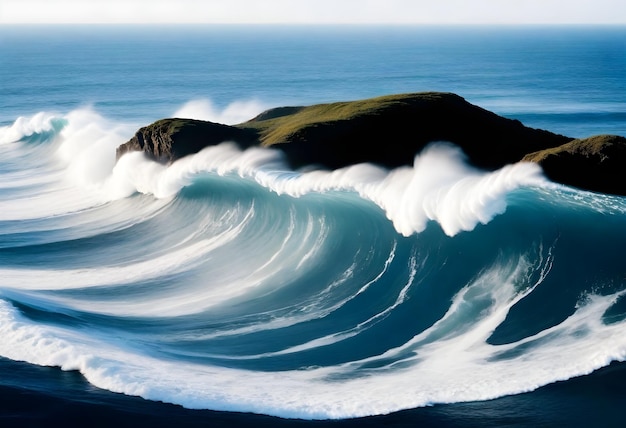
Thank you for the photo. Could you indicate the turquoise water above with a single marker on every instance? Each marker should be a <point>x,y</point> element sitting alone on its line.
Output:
<point>228,282</point>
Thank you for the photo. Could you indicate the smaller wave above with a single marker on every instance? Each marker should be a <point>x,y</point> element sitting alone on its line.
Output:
<point>61,175</point>
<point>42,125</point>
<point>445,364</point>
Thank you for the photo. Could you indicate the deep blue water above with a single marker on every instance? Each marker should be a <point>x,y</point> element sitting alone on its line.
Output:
<point>568,79</point>
<point>227,289</point>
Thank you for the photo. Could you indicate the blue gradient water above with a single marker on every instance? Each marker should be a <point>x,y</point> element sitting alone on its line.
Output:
<point>227,282</point>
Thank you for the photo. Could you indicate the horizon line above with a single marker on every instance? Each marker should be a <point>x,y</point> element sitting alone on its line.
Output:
<point>327,24</point>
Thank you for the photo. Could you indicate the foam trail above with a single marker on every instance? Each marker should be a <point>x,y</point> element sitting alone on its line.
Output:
<point>451,369</point>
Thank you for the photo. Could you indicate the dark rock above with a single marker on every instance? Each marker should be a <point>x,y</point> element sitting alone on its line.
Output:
<point>597,163</point>
<point>169,139</point>
<point>273,113</point>
<point>390,131</point>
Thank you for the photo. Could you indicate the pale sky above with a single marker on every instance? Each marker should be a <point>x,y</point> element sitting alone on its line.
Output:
<point>316,11</point>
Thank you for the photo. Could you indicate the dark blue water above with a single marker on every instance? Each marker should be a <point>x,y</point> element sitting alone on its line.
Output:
<point>568,79</point>
<point>436,295</point>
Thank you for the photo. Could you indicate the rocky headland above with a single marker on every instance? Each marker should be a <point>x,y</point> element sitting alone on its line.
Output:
<point>390,130</point>
<point>596,163</point>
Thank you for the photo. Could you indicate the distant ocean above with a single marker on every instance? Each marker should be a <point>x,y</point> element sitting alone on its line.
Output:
<point>229,290</point>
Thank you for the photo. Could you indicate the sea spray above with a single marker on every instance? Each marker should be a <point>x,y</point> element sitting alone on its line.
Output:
<point>453,365</point>
<point>24,127</point>
<point>232,114</point>
<point>440,186</point>
<point>87,146</point>
<point>443,188</point>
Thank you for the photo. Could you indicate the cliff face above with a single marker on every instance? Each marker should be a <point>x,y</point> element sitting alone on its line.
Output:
<point>390,131</point>
<point>169,139</point>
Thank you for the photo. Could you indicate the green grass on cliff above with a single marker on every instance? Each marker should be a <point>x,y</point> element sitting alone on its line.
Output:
<point>170,126</point>
<point>276,130</point>
<point>173,125</point>
<point>592,146</point>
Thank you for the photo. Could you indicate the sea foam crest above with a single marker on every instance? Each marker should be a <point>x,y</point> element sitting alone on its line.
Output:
<point>440,186</point>
<point>450,369</point>
<point>27,126</point>
<point>235,112</point>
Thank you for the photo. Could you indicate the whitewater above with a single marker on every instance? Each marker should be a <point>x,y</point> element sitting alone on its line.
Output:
<point>228,281</point>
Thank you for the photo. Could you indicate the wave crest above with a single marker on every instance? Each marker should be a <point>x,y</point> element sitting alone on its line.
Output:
<point>443,188</point>
<point>24,127</point>
<point>440,186</point>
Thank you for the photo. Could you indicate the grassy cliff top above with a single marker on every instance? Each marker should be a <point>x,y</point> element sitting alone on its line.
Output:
<point>390,131</point>
<point>599,146</point>
<point>278,125</point>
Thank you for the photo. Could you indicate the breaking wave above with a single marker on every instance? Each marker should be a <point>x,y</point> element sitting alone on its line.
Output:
<point>228,281</point>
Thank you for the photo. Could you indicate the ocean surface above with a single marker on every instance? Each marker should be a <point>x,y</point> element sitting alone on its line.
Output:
<point>229,290</point>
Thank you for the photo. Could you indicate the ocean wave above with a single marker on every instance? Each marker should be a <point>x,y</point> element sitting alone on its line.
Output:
<point>39,127</point>
<point>440,186</point>
<point>448,362</point>
<point>228,281</point>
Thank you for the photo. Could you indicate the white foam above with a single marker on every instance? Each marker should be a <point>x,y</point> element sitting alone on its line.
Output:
<point>83,156</point>
<point>440,186</point>
<point>27,126</point>
<point>234,113</point>
<point>136,173</point>
<point>458,366</point>
<point>88,147</point>
<point>449,362</point>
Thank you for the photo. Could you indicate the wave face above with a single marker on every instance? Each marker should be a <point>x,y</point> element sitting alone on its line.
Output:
<point>226,281</point>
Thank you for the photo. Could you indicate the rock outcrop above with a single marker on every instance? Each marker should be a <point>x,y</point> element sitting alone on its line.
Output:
<point>169,139</point>
<point>390,131</point>
<point>597,163</point>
